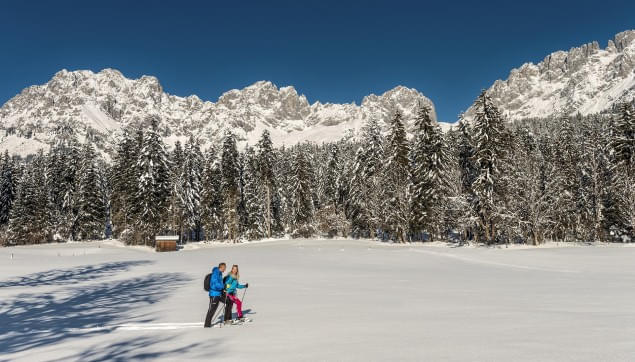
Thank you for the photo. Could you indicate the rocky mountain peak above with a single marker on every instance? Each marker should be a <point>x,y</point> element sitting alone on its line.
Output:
<point>100,105</point>
<point>585,79</point>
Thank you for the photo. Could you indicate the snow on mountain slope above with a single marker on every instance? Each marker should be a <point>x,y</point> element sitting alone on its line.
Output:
<point>99,105</point>
<point>585,79</point>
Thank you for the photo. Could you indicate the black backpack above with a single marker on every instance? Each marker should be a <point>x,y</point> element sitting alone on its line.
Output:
<point>208,278</point>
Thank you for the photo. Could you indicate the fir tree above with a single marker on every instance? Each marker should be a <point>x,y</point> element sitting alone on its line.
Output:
<point>255,222</point>
<point>29,221</point>
<point>178,197</point>
<point>303,206</point>
<point>358,210</point>
<point>154,183</point>
<point>622,204</point>
<point>365,203</point>
<point>63,174</point>
<point>396,181</point>
<point>429,174</point>
<point>91,210</point>
<point>7,188</point>
<point>190,186</point>
<point>373,174</point>
<point>230,169</point>
<point>266,161</point>
<point>623,140</point>
<point>330,180</point>
<point>211,196</point>
<point>567,160</point>
<point>125,182</point>
<point>489,147</point>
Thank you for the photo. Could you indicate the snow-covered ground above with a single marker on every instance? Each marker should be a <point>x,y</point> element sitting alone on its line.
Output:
<point>320,300</point>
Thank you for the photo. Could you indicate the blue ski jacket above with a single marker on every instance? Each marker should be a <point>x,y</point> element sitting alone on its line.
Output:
<point>232,284</point>
<point>216,283</point>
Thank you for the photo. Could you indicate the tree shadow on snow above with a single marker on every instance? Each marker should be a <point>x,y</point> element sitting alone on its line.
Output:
<point>73,275</point>
<point>139,348</point>
<point>31,320</point>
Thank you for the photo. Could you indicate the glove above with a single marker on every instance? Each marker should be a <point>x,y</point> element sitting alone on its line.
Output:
<point>247,285</point>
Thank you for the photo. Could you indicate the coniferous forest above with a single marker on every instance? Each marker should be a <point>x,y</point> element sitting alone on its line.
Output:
<point>563,178</point>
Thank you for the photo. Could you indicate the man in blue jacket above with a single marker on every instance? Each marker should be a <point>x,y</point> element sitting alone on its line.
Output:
<point>217,295</point>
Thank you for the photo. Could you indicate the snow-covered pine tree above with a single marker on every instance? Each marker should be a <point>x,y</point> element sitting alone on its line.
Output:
<point>62,174</point>
<point>242,213</point>
<point>211,197</point>
<point>178,197</point>
<point>124,181</point>
<point>429,183</point>
<point>623,183</point>
<point>7,188</point>
<point>357,206</point>
<point>154,183</point>
<point>345,176</point>
<point>396,181</point>
<point>43,222</point>
<point>623,140</point>
<point>191,176</point>
<point>303,207</point>
<point>230,169</point>
<point>373,174</point>
<point>254,206</point>
<point>311,153</point>
<point>566,160</point>
<point>91,210</point>
<point>489,146</point>
<point>104,170</point>
<point>331,175</point>
<point>22,216</point>
<point>284,174</point>
<point>594,182</point>
<point>29,221</point>
<point>178,159</point>
<point>266,164</point>
<point>457,215</point>
<point>364,204</point>
<point>421,188</point>
<point>456,211</point>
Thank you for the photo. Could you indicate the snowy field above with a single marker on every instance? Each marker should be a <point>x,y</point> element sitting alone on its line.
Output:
<point>320,300</point>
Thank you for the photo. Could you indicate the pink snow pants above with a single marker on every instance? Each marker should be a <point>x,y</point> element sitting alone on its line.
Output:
<point>239,304</point>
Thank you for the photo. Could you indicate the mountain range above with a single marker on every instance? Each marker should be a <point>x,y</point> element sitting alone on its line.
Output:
<point>585,79</point>
<point>99,105</point>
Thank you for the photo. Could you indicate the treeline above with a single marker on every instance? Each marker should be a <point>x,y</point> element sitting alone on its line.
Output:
<point>488,181</point>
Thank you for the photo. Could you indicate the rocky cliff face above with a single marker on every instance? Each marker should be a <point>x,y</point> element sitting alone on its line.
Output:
<point>586,79</point>
<point>99,105</point>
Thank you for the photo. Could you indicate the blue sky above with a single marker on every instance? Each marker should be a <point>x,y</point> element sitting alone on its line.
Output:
<point>332,51</point>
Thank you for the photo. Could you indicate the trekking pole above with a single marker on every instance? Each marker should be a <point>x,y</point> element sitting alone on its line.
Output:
<point>243,298</point>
